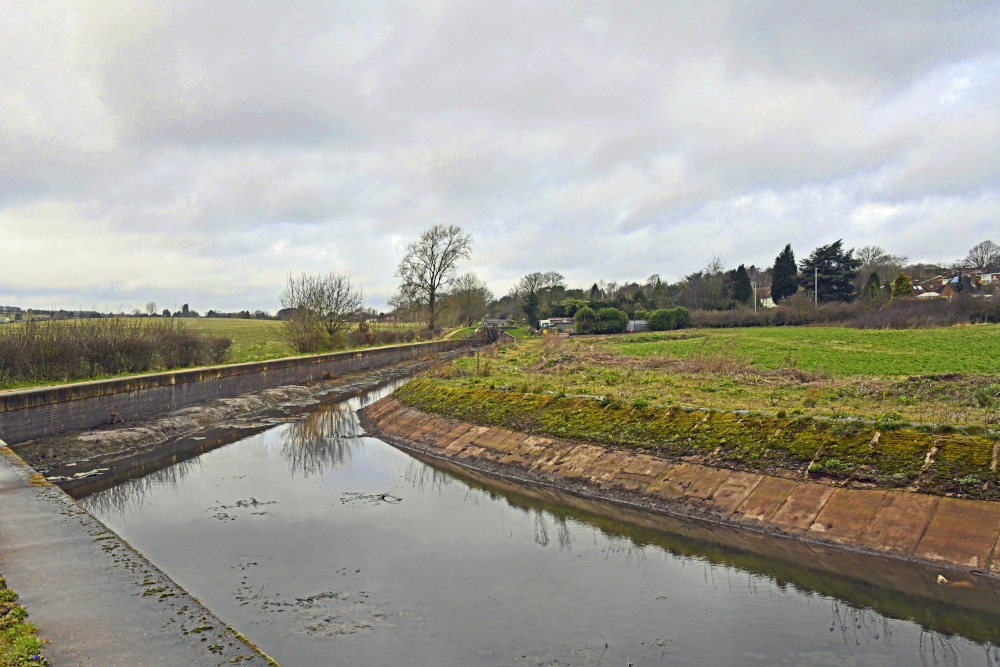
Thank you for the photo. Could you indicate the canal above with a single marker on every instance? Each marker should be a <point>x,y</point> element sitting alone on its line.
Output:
<point>327,547</point>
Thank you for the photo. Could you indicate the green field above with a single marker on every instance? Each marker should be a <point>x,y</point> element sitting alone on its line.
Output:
<point>911,409</point>
<point>253,340</point>
<point>973,349</point>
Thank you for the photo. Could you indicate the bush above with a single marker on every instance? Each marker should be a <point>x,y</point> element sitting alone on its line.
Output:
<point>666,319</point>
<point>79,349</point>
<point>610,320</point>
<point>661,320</point>
<point>584,319</point>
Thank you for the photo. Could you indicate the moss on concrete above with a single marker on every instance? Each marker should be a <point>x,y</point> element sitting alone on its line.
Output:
<point>883,453</point>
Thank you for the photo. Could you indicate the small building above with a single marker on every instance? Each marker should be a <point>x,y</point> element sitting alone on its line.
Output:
<point>636,326</point>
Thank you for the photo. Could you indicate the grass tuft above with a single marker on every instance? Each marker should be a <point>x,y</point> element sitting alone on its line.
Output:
<point>20,645</point>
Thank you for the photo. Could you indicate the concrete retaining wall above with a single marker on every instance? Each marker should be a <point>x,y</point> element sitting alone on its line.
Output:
<point>948,532</point>
<point>34,413</point>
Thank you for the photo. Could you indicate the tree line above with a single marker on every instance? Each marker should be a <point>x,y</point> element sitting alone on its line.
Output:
<point>327,311</point>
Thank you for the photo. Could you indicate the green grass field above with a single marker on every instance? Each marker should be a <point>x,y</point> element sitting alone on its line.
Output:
<point>253,340</point>
<point>915,409</point>
<point>945,375</point>
<point>839,351</point>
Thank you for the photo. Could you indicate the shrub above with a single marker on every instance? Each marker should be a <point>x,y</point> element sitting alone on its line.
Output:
<point>584,318</point>
<point>80,349</point>
<point>661,320</point>
<point>610,320</point>
<point>666,319</point>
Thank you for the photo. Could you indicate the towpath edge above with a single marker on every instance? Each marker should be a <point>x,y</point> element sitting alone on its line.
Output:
<point>96,600</point>
<point>950,533</point>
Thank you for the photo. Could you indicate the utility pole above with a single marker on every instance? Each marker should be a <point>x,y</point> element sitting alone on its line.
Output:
<point>754,285</point>
<point>816,288</point>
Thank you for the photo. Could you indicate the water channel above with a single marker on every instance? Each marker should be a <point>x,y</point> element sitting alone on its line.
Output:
<point>328,547</point>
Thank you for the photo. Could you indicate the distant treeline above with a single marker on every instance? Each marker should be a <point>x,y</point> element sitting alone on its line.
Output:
<point>800,310</point>
<point>896,314</point>
<point>81,349</point>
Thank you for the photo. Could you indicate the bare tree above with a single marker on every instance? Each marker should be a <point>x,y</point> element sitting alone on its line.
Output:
<point>429,265</point>
<point>319,304</point>
<point>338,300</point>
<point>151,308</point>
<point>874,259</point>
<point>471,296</point>
<point>983,255</point>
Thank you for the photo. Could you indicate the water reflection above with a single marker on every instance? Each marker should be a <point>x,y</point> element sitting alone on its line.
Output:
<point>425,479</point>
<point>321,442</point>
<point>131,495</point>
<point>693,566</point>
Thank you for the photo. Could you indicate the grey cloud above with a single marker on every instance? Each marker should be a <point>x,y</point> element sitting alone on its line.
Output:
<point>218,146</point>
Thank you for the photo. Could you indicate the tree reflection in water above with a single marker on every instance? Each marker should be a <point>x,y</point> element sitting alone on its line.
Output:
<point>130,496</point>
<point>424,478</point>
<point>321,442</point>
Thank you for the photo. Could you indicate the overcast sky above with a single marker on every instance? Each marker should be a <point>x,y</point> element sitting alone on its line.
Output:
<point>197,152</point>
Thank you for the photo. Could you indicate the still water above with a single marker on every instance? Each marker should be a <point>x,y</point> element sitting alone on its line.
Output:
<point>327,547</point>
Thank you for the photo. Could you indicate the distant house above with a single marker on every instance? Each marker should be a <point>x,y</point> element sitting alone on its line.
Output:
<point>959,284</point>
<point>933,284</point>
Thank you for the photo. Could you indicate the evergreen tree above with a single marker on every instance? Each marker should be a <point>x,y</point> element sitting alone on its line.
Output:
<point>872,293</point>
<point>901,287</point>
<point>834,270</point>
<point>784,281</point>
<point>742,289</point>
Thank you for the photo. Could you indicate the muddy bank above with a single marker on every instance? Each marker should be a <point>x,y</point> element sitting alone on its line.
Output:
<point>948,533</point>
<point>85,456</point>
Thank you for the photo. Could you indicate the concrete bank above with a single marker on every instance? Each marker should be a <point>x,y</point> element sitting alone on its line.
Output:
<point>46,411</point>
<point>97,600</point>
<point>950,533</point>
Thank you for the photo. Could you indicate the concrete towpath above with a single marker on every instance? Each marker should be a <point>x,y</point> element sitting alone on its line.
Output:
<point>94,598</point>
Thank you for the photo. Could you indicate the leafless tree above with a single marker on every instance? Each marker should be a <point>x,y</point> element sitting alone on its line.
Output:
<point>319,304</point>
<point>429,265</point>
<point>151,308</point>
<point>471,296</point>
<point>983,255</point>
<point>874,259</point>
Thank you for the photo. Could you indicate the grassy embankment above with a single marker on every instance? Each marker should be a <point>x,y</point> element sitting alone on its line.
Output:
<point>252,340</point>
<point>914,409</point>
<point>19,642</point>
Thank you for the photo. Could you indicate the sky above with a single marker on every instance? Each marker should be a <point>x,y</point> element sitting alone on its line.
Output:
<point>200,152</point>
